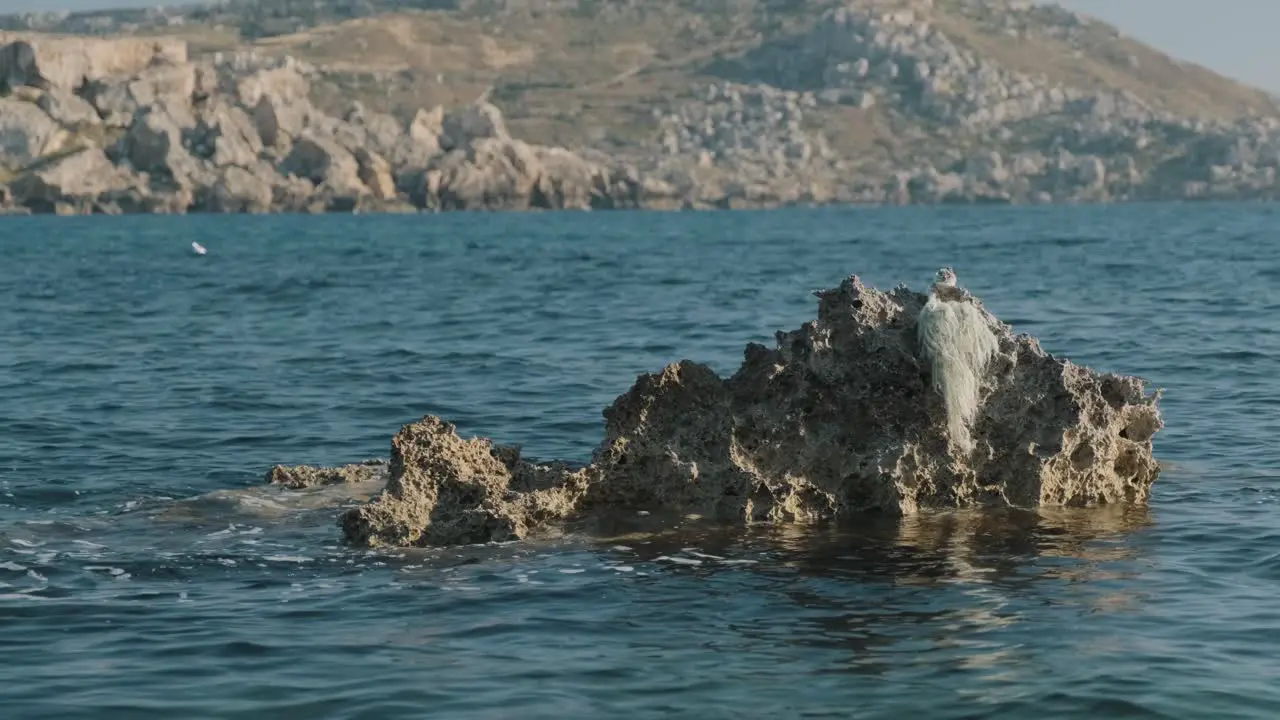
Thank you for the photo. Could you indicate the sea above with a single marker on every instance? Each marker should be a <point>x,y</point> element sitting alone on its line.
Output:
<point>146,570</point>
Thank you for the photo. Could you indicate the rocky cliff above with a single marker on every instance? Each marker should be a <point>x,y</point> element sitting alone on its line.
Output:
<point>407,105</point>
<point>842,417</point>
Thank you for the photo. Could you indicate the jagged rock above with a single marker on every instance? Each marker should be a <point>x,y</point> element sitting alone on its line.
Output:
<point>285,83</point>
<point>19,68</point>
<point>239,190</point>
<point>840,418</point>
<point>154,144</point>
<point>489,174</point>
<point>119,99</point>
<point>323,162</point>
<point>301,477</point>
<point>381,133</point>
<point>493,173</point>
<point>279,99</point>
<point>69,109</point>
<point>987,168</point>
<point>68,62</point>
<point>426,127</point>
<point>567,181</point>
<point>1091,172</point>
<point>467,125</point>
<point>77,179</point>
<point>444,490</point>
<point>225,135</point>
<point>375,173</point>
<point>26,133</point>
<point>294,195</point>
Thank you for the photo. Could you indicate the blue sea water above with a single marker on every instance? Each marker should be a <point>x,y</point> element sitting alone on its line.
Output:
<point>146,572</point>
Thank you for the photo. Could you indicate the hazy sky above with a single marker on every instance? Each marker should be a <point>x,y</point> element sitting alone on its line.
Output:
<point>1234,37</point>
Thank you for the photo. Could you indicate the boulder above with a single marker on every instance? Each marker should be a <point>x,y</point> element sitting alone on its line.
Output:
<point>323,161</point>
<point>490,174</point>
<point>279,103</point>
<point>464,126</point>
<point>426,127</point>
<point>302,477</point>
<point>238,190</point>
<point>285,82</point>
<point>382,133</point>
<point>69,109</point>
<point>375,173</point>
<point>27,133</point>
<point>18,67</point>
<point>154,144</point>
<point>444,490</point>
<point>292,194</point>
<point>119,98</point>
<point>77,179</point>
<point>569,182</point>
<point>493,174</point>
<point>68,62</point>
<point>225,135</point>
<point>855,412</point>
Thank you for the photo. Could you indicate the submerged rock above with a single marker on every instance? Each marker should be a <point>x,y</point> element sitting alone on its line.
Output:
<point>301,477</point>
<point>842,417</point>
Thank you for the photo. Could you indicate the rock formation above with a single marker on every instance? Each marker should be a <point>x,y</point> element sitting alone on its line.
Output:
<point>829,101</point>
<point>840,418</point>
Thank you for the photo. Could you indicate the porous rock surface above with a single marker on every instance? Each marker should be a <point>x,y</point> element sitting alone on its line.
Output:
<point>302,477</point>
<point>838,419</point>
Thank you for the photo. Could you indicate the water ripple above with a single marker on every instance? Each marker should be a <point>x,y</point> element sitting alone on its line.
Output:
<point>143,390</point>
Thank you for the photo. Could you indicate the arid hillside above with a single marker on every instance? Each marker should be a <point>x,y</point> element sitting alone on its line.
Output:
<point>857,100</point>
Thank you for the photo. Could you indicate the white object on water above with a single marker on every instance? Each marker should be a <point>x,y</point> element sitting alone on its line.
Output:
<point>200,249</point>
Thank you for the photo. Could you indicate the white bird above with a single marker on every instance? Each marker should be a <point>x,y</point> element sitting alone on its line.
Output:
<point>200,249</point>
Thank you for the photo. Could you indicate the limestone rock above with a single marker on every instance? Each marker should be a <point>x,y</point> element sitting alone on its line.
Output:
<point>494,174</point>
<point>279,102</point>
<point>19,68</point>
<point>26,133</point>
<point>375,173</point>
<point>381,133</point>
<point>448,491</point>
<point>69,109</point>
<point>225,135</point>
<point>489,174</point>
<point>67,62</point>
<point>154,144</point>
<point>78,179</point>
<point>238,190</point>
<point>300,477</point>
<point>478,121</point>
<point>427,126</point>
<point>838,419</point>
<point>323,161</point>
<point>120,98</point>
<point>285,83</point>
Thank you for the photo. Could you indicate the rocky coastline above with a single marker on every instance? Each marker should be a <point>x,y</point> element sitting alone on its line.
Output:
<point>839,420</point>
<point>117,125</point>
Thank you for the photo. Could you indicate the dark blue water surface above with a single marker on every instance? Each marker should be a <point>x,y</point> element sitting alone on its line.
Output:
<point>145,572</point>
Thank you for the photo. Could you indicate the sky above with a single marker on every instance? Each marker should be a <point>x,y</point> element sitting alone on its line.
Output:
<point>1233,37</point>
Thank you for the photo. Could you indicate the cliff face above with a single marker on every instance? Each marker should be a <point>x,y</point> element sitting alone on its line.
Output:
<point>622,104</point>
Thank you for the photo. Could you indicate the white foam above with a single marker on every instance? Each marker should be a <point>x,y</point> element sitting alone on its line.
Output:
<point>677,560</point>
